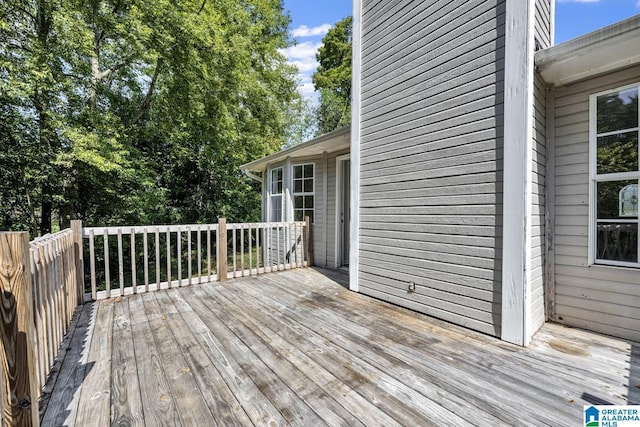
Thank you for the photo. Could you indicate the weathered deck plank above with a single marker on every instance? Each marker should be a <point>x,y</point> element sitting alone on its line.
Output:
<point>221,401</point>
<point>297,348</point>
<point>307,391</point>
<point>157,401</point>
<point>95,397</point>
<point>272,385</point>
<point>191,406</point>
<point>126,400</point>
<point>63,405</point>
<point>294,346</point>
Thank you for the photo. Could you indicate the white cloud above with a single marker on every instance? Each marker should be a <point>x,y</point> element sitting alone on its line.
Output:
<point>304,31</point>
<point>306,89</point>
<point>303,57</point>
<point>304,51</point>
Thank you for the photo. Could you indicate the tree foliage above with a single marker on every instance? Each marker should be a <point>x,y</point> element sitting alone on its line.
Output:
<point>333,78</point>
<point>138,111</point>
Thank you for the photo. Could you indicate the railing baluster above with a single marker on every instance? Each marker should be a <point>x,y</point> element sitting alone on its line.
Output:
<point>179,255</point>
<point>242,250</point>
<point>107,278</point>
<point>199,242</point>
<point>120,263</point>
<point>302,244</point>
<point>145,249</point>
<point>279,252</point>
<point>233,253</point>
<point>250,252</point>
<point>157,257</point>
<point>189,271</point>
<point>209,253</point>
<point>169,279</point>
<point>92,266</point>
<point>134,281</point>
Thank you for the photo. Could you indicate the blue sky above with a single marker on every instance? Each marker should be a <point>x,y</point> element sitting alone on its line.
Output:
<point>311,19</point>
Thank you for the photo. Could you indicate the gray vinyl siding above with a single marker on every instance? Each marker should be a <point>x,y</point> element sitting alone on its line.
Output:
<point>600,298</point>
<point>542,23</point>
<point>431,158</point>
<point>331,210</point>
<point>542,29</point>
<point>536,297</point>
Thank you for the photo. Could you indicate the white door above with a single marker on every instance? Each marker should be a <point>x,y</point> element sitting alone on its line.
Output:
<point>343,197</point>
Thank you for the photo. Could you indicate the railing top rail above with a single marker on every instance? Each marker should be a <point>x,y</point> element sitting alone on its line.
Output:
<point>263,224</point>
<point>51,237</point>
<point>138,229</point>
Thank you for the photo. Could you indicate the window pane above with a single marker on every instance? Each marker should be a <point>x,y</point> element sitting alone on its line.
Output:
<point>298,202</point>
<point>308,171</point>
<point>615,200</point>
<point>308,202</point>
<point>279,189</point>
<point>297,171</point>
<point>309,214</point>
<point>618,242</point>
<point>297,186</point>
<point>618,111</point>
<point>618,153</point>
<point>298,215</point>
<point>276,209</point>
<point>308,185</point>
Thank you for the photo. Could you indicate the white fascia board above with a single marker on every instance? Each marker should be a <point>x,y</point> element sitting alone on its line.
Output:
<point>329,142</point>
<point>356,107</point>
<point>610,48</point>
<point>518,121</point>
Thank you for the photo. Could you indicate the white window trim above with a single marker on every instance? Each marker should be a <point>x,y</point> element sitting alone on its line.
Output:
<point>303,193</point>
<point>271,194</point>
<point>593,178</point>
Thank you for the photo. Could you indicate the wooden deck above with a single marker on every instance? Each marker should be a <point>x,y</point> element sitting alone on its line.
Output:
<point>298,348</point>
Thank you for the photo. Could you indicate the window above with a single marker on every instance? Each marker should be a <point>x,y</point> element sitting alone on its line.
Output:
<point>303,191</point>
<point>615,172</point>
<point>275,195</point>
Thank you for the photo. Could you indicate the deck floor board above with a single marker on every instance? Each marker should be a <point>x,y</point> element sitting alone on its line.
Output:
<point>297,348</point>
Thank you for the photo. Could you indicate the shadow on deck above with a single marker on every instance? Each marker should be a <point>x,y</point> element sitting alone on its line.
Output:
<point>296,347</point>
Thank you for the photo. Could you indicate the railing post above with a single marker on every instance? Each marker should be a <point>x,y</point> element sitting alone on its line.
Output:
<point>309,242</point>
<point>17,331</point>
<point>221,244</point>
<point>76,227</point>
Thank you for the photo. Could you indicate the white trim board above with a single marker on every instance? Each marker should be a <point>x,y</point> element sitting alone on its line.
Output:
<point>356,108</point>
<point>338,225</point>
<point>518,123</point>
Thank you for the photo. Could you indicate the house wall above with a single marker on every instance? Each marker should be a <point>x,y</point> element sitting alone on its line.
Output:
<point>600,298</point>
<point>543,23</point>
<point>431,158</point>
<point>323,229</point>
<point>542,33</point>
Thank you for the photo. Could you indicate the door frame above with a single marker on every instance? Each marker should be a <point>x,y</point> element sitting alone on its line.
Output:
<point>339,202</point>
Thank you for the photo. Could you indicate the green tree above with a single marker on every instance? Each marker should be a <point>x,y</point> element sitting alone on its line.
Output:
<point>333,78</point>
<point>138,111</point>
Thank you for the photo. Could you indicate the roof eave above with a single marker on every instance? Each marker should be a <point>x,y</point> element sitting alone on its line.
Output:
<point>305,148</point>
<point>610,48</point>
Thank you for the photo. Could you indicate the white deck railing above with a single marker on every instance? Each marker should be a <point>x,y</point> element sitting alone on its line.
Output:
<point>129,260</point>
